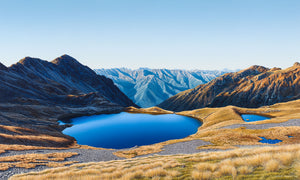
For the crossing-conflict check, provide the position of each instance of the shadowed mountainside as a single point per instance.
(64, 80)
(149, 87)
(253, 87)
(34, 94)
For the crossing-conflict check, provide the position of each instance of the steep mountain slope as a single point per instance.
(149, 87)
(34, 94)
(253, 87)
(55, 81)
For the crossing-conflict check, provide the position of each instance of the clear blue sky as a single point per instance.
(185, 34)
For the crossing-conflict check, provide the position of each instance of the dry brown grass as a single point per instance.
(233, 163)
(205, 166)
(201, 175)
(156, 172)
(33, 160)
(272, 165)
(255, 163)
(15, 147)
(297, 168)
(215, 118)
(245, 170)
(142, 150)
(150, 110)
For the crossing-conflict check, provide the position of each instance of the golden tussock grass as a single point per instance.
(42, 137)
(156, 172)
(205, 166)
(272, 165)
(215, 118)
(33, 160)
(230, 164)
(150, 110)
(253, 163)
(297, 168)
(139, 151)
(203, 175)
(245, 169)
(15, 147)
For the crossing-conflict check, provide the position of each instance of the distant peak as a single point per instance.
(65, 59)
(275, 69)
(29, 60)
(66, 56)
(296, 64)
(257, 68)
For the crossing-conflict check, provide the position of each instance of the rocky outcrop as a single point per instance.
(35, 93)
(149, 87)
(253, 87)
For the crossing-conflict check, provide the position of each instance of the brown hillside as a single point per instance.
(253, 87)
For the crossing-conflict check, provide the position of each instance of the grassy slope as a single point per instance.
(215, 118)
(240, 163)
(281, 162)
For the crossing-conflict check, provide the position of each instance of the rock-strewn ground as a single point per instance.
(90, 155)
(84, 155)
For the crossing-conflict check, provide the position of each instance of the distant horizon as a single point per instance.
(169, 34)
(120, 67)
(133, 69)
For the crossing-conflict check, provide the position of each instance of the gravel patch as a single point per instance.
(84, 155)
(187, 147)
(88, 155)
(292, 122)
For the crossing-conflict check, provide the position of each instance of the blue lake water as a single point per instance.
(253, 117)
(125, 130)
(270, 141)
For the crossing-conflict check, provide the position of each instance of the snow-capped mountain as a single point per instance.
(149, 87)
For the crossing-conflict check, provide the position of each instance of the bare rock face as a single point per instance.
(35, 93)
(253, 87)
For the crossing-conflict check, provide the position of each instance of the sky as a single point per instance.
(175, 34)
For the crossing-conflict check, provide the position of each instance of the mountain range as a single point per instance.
(60, 81)
(34, 94)
(253, 87)
(149, 87)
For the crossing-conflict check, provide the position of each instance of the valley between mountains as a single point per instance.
(35, 94)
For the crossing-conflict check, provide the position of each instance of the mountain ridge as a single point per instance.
(148, 87)
(62, 74)
(252, 87)
(35, 94)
